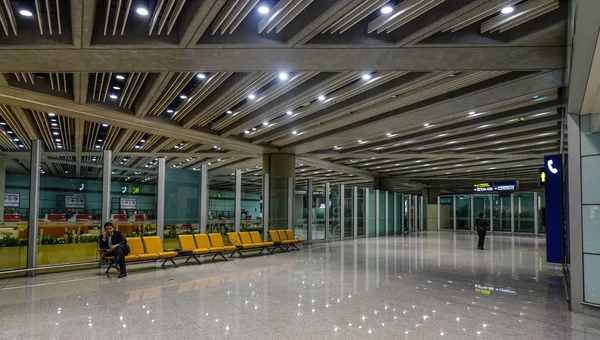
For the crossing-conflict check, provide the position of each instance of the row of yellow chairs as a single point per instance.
(199, 244)
(249, 240)
(145, 249)
(286, 238)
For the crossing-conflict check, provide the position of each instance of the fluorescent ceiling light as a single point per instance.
(252, 96)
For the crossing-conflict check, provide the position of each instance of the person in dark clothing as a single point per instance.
(117, 247)
(481, 223)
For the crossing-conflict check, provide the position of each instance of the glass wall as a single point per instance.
(348, 212)
(70, 207)
(361, 205)
(221, 202)
(481, 204)
(524, 213)
(399, 212)
(381, 217)
(390, 215)
(14, 183)
(463, 212)
(301, 208)
(252, 203)
(501, 209)
(446, 213)
(182, 204)
(318, 211)
(335, 217)
(542, 213)
(426, 214)
(372, 213)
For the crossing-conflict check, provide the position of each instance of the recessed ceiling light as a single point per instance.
(246, 132)
(507, 10)
(120, 77)
(104, 125)
(53, 124)
(229, 112)
(116, 88)
(169, 110)
(142, 141)
(366, 76)
(252, 96)
(253, 129)
(21, 145)
(201, 75)
(50, 114)
(360, 140)
(59, 146)
(58, 140)
(283, 76)
(142, 11)
(387, 9)
(471, 113)
(294, 132)
(99, 140)
(183, 96)
(536, 97)
(55, 133)
(137, 146)
(25, 13)
(263, 10)
(426, 125)
(289, 113)
(2, 123)
(389, 134)
(97, 146)
(442, 134)
(114, 96)
(17, 139)
(321, 97)
(265, 123)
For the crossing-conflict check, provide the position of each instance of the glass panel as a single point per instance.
(399, 213)
(14, 226)
(382, 195)
(591, 278)
(301, 209)
(318, 212)
(446, 214)
(182, 204)
(348, 211)
(360, 205)
(481, 204)
(502, 212)
(221, 203)
(405, 213)
(591, 229)
(69, 206)
(542, 213)
(425, 212)
(390, 216)
(252, 212)
(590, 168)
(463, 213)
(524, 213)
(372, 213)
(334, 212)
(133, 196)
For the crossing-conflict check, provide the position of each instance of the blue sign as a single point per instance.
(554, 208)
(496, 186)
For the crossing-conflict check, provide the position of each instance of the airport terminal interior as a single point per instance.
(302, 169)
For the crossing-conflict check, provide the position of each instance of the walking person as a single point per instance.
(481, 223)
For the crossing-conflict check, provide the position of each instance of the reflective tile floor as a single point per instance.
(430, 286)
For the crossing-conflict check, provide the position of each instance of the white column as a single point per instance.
(410, 212)
(266, 201)
(439, 218)
(472, 217)
(160, 199)
(366, 212)
(491, 213)
(290, 202)
(376, 212)
(454, 212)
(402, 214)
(395, 213)
(512, 212)
(387, 213)
(237, 207)
(421, 212)
(2, 186)
(203, 198)
(327, 210)
(536, 225)
(34, 203)
(106, 179)
(309, 217)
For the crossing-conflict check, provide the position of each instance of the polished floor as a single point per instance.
(429, 286)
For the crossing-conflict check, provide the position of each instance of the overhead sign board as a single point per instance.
(12, 200)
(496, 186)
(128, 203)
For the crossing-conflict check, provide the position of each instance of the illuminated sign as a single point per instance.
(12, 200)
(541, 177)
(496, 186)
(75, 202)
(127, 203)
(136, 190)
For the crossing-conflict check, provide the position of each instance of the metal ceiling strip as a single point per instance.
(49, 16)
(64, 77)
(477, 14)
(275, 13)
(175, 15)
(11, 16)
(414, 13)
(126, 17)
(362, 15)
(57, 80)
(108, 4)
(155, 15)
(31, 77)
(348, 16)
(125, 92)
(212, 82)
(3, 21)
(225, 12)
(530, 16)
(58, 17)
(107, 87)
(501, 19)
(177, 85)
(164, 16)
(137, 88)
(238, 20)
(291, 16)
(235, 12)
(117, 14)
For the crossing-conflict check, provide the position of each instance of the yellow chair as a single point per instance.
(217, 246)
(235, 240)
(136, 253)
(284, 238)
(255, 236)
(290, 236)
(154, 246)
(187, 244)
(278, 241)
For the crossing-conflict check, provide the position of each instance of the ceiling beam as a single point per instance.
(276, 59)
(67, 108)
(403, 155)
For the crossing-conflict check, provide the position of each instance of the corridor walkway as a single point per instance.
(429, 286)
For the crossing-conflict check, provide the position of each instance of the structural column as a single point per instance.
(160, 199)
(238, 201)
(203, 198)
(491, 213)
(454, 212)
(34, 199)
(309, 217)
(106, 178)
(342, 211)
(355, 212)
(439, 218)
(472, 217)
(421, 212)
(280, 168)
(512, 212)
(367, 222)
(327, 210)
(377, 212)
(2, 186)
(536, 224)
(387, 213)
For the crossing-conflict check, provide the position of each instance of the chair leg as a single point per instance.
(293, 245)
(110, 265)
(172, 261)
(223, 256)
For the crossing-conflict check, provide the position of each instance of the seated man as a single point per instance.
(117, 247)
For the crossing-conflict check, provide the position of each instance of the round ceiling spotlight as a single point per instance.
(120, 77)
(321, 98)
(114, 96)
(252, 96)
(387, 9)
(507, 10)
(169, 110)
(283, 76)
(183, 96)
(289, 113)
(366, 76)
(25, 13)
(142, 11)
(263, 10)
(201, 75)
(229, 112)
